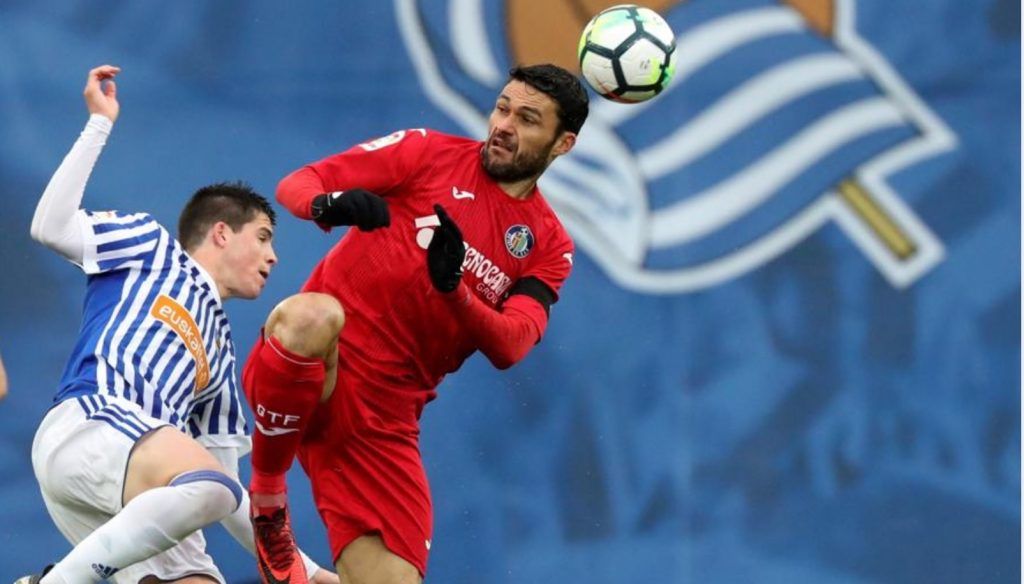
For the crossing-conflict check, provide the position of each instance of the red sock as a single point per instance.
(283, 391)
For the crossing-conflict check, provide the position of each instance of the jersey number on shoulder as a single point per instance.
(389, 140)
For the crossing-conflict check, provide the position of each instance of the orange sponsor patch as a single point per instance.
(174, 315)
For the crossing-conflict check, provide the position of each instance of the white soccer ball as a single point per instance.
(627, 53)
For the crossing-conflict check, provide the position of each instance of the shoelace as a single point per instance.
(275, 532)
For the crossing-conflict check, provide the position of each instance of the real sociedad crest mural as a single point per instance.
(781, 120)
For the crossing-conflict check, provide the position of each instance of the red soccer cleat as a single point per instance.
(276, 553)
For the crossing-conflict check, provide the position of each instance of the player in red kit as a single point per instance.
(455, 251)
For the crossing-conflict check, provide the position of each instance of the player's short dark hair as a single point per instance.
(234, 203)
(563, 87)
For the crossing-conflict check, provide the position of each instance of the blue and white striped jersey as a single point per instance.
(154, 330)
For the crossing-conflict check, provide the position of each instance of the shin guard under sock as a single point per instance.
(283, 390)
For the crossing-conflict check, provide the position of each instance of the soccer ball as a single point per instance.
(627, 53)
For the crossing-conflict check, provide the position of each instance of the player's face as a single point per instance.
(249, 255)
(523, 137)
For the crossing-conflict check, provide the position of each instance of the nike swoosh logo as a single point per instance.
(274, 431)
(268, 576)
(462, 194)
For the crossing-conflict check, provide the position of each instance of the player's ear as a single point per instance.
(220, 233)
(564, 143)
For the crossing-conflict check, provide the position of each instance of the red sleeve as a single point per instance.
(554, 267)
(504, 336)
(377, 166)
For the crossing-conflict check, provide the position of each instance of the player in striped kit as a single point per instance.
(140, 449)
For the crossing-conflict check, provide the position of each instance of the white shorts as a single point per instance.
(80, 456)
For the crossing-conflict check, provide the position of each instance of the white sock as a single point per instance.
(152, 522)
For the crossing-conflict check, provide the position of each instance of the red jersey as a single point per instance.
(399, 331)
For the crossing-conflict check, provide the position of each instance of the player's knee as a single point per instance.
(160, 456)
(307, 324)
(216, 495)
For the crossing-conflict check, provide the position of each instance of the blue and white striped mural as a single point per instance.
(769, 131)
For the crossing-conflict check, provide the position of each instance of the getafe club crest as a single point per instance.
(781, 120)
(519, 241)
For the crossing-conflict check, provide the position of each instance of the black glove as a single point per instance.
(445, 253)
(357, 207)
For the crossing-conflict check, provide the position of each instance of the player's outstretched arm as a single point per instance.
(54, 224)
(303, 193)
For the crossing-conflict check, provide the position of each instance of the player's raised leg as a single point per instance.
(291, 369)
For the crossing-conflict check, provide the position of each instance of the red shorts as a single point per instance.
(362, 455)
